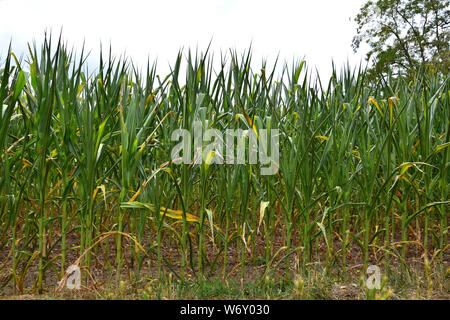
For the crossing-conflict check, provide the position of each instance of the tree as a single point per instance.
(405, 35)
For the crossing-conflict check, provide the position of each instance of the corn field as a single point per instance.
(86, 169)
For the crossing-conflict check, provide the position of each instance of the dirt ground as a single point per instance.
(318, 284)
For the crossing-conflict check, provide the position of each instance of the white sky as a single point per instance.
(317, 30)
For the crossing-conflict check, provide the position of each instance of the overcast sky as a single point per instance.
(317, 30)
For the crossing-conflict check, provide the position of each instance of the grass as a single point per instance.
(86, 176)
(318, 285)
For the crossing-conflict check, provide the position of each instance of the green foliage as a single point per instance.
(405, 35)
(363, 168)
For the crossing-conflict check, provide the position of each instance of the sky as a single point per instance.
(318, 31)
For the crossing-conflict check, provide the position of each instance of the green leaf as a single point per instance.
(20, 84)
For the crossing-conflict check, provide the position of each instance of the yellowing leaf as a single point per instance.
(26, 163)
(262, 208)
(150, 96)
(174, 214)
(177, 214)
(81, 87)
(209, 157)
(404, 167)
(393, 99)
(250, 123)
(323, 138)
(415, 146)
(442, 146)
(372, 100)
(55, 187)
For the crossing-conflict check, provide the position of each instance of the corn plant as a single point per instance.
(86, 154)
